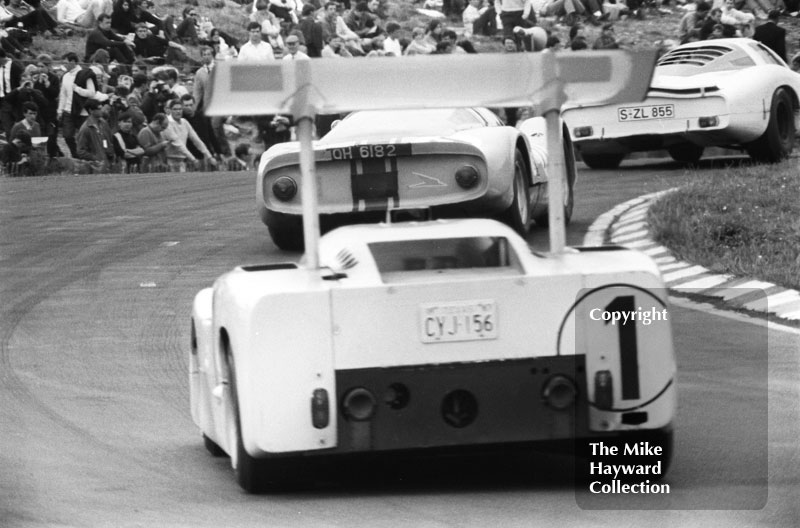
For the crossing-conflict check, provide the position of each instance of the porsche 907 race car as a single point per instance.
(453, 161)
(427, 335)
(734, 93)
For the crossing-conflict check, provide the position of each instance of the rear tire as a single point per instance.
(518, 213)
(687, 153)
(777, 142)
(602, 161)
(543, 218)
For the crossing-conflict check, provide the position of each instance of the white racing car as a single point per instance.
(451, 161)
(420, 336)
(734, 93)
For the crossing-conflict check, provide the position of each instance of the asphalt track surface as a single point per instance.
(97, 275)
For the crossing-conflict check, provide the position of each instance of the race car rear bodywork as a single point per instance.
(412, 338)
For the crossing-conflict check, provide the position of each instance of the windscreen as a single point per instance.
(372, 125)
(442, 254)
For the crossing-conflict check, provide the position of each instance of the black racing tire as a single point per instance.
(286, 232)
(602, 161)
(518, 214)
(777, 141)
(687, 153)
(212, 447)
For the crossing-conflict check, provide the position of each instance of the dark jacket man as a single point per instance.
(772, 35)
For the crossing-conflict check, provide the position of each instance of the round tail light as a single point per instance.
(284, 188)
(467, 177)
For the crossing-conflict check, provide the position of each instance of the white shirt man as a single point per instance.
(293, 51)
(83, 13)
(256, 49)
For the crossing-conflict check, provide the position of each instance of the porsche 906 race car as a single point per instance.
(428, 335)
(733, 93)
(457, 162)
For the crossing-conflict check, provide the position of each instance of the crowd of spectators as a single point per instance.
(136, 99)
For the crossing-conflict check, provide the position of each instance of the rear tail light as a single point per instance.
(284, 188)
(358, 404)
(320, 409)
(708, 121)
(585, 131)
(603, 390)
(467, 177)
(559, 392)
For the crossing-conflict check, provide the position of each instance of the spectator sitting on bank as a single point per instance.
(101, 37)
(20, 14)
(269, 24)
(479, 18)
(335, 48)
(83, 14)
(606, 40)
(745, 22)
(362, 22)
(126, 144)
(188, 30)
(156, 50)
(14, 155)
(419, 44)
(122, 17)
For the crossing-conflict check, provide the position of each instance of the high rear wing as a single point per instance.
(544, 80)
(319, 86)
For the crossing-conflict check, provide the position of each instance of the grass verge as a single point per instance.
(743, 221)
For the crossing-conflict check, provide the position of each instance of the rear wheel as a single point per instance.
(543, 217)
(777, 141)
(518, 213)
(602, 161)
(686, 153)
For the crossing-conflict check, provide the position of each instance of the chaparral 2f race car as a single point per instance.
(455, 162)
(443, 335)
(420, 336)
(734, 93)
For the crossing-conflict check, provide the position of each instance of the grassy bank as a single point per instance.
(743, 221)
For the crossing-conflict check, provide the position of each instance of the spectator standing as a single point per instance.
(126, 144)
(202, 127)
(201, 89)
(269, 24)
(479, 18)
(10, 78)
(77, 86)
(49, 85)
(179, 132)
(241, 159)
(101, 37)
(255, 49)
(154, 144)
(392, 45)
(312, 31)
(510, 12)
(29, 123)
(26, 93)
(772, 35)
(95, 144)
